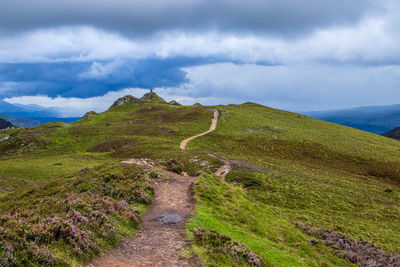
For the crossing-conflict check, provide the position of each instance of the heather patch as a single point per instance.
(359, 251)
(219, 243)
(74, 219)
(175, 166)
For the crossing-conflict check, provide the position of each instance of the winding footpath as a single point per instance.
(161, 238)
(214, 122)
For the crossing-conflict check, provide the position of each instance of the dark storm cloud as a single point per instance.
(146, 17)
(81, 80)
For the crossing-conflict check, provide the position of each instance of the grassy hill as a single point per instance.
(287, 168)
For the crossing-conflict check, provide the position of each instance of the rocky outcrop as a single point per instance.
(147, 98)
(88, 115)
(173, 102)
(126, 100)
(154, 98)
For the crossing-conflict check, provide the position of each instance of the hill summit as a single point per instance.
(146, 98)
(153, 97)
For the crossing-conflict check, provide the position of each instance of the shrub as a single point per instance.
(247, 179)
(357, 251)
(224, 244)
(175, 166)
(76, 217)
(153, 175)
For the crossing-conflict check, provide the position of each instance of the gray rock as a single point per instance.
(173, 102)
(126, 100)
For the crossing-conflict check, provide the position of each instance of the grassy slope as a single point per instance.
(297, 168)
(40, 167)
(50, 150)
(286, 167)
(66, 221)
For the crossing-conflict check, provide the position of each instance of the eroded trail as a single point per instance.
(162, 231)
(162, 235)
(214, 122)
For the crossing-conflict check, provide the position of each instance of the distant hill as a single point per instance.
(5, 124)
(27, 111)
(32, 122)
(28, 116)
(375, 119)
(395, 133)
(19, 121)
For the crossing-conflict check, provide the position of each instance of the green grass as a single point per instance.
(132, 130)
(255, 224)
(286, 167)
(42, 168)
(298, 168)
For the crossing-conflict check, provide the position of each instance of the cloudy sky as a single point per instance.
(297, 55)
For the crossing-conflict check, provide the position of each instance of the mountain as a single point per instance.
(20, 122)
(27, 111)
(375, 119)
(27, 116)
(299, 191)
(395, 133)
(5, 124)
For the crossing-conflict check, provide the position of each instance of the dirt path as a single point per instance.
(162, 234)
(162, 230)
(214, 122)
(224, 169)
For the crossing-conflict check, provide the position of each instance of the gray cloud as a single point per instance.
(146, 17)
(345, 53)
(297, 88)
(294, 88)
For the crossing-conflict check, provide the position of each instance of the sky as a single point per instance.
(297, 55)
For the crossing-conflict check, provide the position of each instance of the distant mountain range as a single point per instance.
(374, 119)
(27, 116)
(5, 124)
(27, 111)
(395, 133)
(20, 122)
